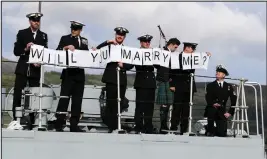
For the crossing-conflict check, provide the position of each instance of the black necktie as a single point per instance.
(75, 42)
(220, 84)
(33, 36)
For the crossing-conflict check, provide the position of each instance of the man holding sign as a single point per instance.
(73, 80)
(164, 95)
(110, 78)
(27, 72)
(180, 85)
(145, 85)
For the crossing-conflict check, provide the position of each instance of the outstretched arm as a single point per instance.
(127, 66)
(103, 44)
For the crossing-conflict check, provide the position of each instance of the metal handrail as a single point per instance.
(262, 119)
(256, 106)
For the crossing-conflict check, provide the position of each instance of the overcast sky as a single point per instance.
(234, 32)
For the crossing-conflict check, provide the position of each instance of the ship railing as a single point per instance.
(240, 108)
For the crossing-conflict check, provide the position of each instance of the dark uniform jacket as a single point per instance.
(145, 77)
(215, 94)
(75, 73)
(24, 37)
(163, 72)
(110, 73)
(180, 79)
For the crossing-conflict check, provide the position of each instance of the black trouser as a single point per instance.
(164, 110)
(74, 88)
(144, 109)
(217, 115)
(20, 84)
(111, 109)
(180, 111)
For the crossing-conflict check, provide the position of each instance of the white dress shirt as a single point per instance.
(221, 83)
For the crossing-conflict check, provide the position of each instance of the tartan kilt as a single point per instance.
(164, 94)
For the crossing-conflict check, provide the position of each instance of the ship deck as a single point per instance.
(67, 145)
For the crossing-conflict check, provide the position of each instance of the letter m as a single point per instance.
(186, 60)
(125, 55)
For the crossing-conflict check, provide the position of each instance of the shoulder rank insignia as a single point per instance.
(84, 41)
(44, 36)
(228, 88)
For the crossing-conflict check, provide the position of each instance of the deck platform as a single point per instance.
(66, 145)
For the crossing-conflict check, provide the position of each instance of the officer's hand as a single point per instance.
(120, 64)
(216, 105)
(71, 47)
(36, 65)
(227, 115)
(172, 89)
(112, 42)
(94, 49)
(208, 53)
(28, 46)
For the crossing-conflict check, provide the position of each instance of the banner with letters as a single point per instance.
(117, 53)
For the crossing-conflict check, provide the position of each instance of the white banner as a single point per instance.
(60, 58)
(175, 62)
(204, 60)
(36, 53)
(104, 56)
(138, 57)
(50, 57)
(116, 53)
(186, 61)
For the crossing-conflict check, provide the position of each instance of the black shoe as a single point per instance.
(59, 130)
(135, 132)
(173, 128)
(76, 129)
(210, 134)
(163, 129)
(59, 125)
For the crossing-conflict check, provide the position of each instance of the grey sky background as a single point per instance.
(234, 32)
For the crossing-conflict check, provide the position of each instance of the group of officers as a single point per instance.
(172, 85)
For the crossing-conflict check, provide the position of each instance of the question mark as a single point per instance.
(205, 58)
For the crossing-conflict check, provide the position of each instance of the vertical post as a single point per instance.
(41, 82)
(237, 108)
(190, 104)
(39, 6)
(262, 119)
(119, 99)
(40, 10)
(40, 100)
(246, 112)
(242, 106)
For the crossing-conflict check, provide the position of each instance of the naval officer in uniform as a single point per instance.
(180, 85)
(145, 86)
(27, 72)
(73, 79)
(110, 79)
(164, 94)
(217, 94)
